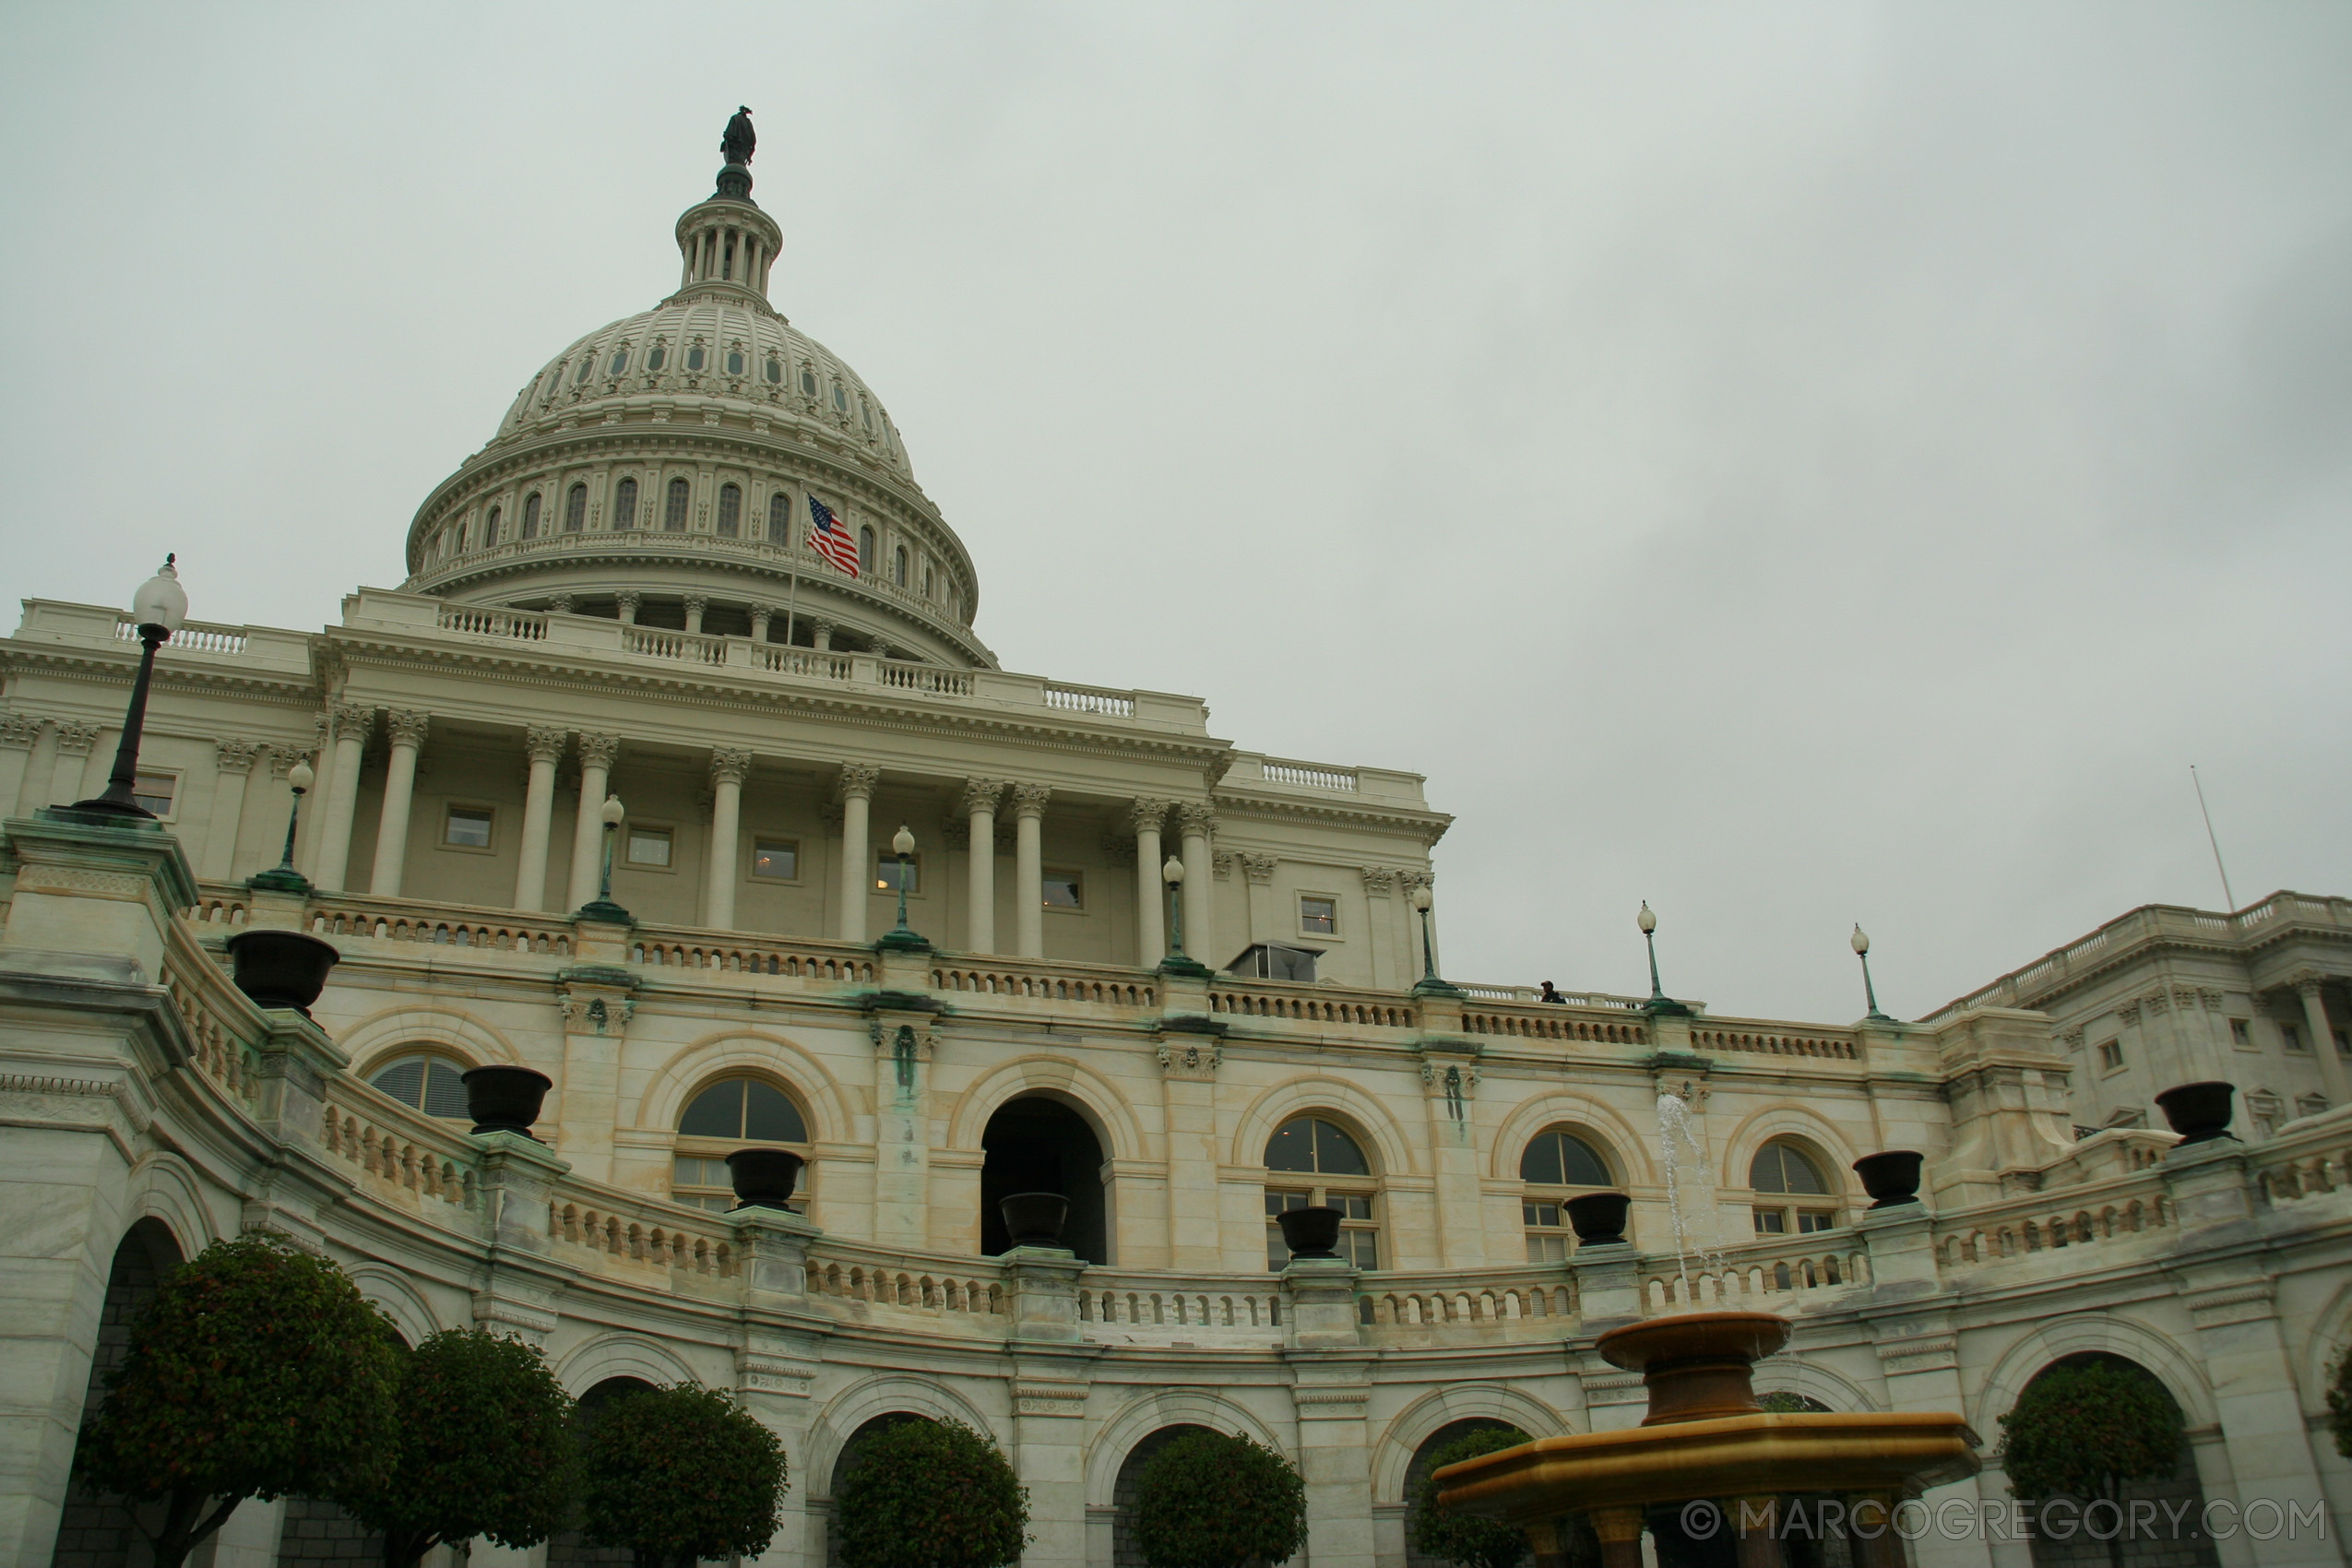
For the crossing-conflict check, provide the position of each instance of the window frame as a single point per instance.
(622, 861)
(575, 506)
(2111, 1056)
(1555, 1195)
(534, 504)
(490, 525)
(729, 521)
(678, 500)
(750, 863)
(1077, 877)
(428, 1053)
(179, 784)
(1322, 1187)
(780, 517)
(695, 1145)
(450, 807)
(625, 504)
(1299, 906)
(1788, 1212)
(884, 856)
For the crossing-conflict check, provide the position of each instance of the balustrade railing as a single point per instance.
(1540, 1295)
(1311, 1003)
(216, 1015)
(1127, 1307)
(1551, 1020)
(2048, 1221)
(691, 647)
(1766, 1040)
(930, 678)
(1090, 699)
(401, 919)
(734, 952)
(378, 1136)
(1750, 1275)
(524, 625)
(815, 664)
(1046, 982)
(1313, 775)
(963, 1292)
(2305, 1162)
(621, 1226)
(193, 637)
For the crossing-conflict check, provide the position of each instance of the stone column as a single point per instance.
(74, 743)
(321, 756)
(1196, 821)
(39, 739)
(1380, 926)
(352, 721)
(1449, 1089)
(727, 770)
(2323, 1051)
(629, 608)
(407, 730)
(1259, 869)
(1048, 1410)
(979, 914)
(1029, 868)
(1188, 1063)
(235, 761)
(902, 1051)
(1151, 894)
(543, 746)
(761, 616)
(855, 789)
(822, 632)
(695, 605)
(596, 1007)
(20, 734)
(597, 752)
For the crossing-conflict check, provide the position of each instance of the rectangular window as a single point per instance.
(1065, 890)
(468, 827)
(1278, 1253)
(1772, 1222)
(1318, 916)
(886, 872)
(2241, 1033)
(1547, 1243)
(1811, 1219)
(2292, 1034)
(1360, 1246)
(776, 858)
(156, 792)
(2110, 1054)
(650, 846)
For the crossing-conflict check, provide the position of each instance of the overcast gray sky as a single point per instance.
(1792, 464)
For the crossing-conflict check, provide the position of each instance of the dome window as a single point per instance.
(530, 516)
(575, 509)
(734, 361)
(620, 361)
(673, 511)
(625, 506)
(780, 518)
(865, 551)
(808, 380)
(587, 364)
(928, 580)
(655, 356)
(693, 357)
(490, 528)
(898, 566)
(840, 399)
(730, 510)
(774, 371)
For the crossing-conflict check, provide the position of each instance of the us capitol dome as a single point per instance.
(660, 469)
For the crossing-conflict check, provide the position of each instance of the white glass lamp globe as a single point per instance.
(162, 602)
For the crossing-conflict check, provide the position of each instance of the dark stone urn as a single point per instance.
(764, 1177)
(2199, 1112)
(1034, 1220)
(281, 968)
(505, 1100)
(1598, 1218)
(1310, 1232)
(1890, 1176)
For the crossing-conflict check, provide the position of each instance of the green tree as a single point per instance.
(2339, 1405)
(483, 1447)
(2088, 1428)
(1210, 1501)
(929, 1494)
(258, 1371)
(678, 1474)
(1461, 1538)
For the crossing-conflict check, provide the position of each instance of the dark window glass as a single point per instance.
(1320, 914)
(717, 1112)
(575, 509)
(865, 550)
(693, 357)
(1336, 1154)
(429, 1083)
(673, 511)
(777, 858)
(808, 380)
(840, 399)
(154, 792)
(743, 1107)
(624, 505)
(1063, 890)
(898, 566)
(468, 827)
(886, 872)
(734, 361)
(1780, 1168)
(530, 516)
(775, 372)
(730, 510)
(769, 1117)
(1309, 1142)
(489, 530)
(620, 361)
(1559, 1158)
(587, 364)
(655, 356)
(780, 518)
(1292, 1147)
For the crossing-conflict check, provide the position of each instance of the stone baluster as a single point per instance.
(695, 604)
(980, 918)
(855, 789)
(407, 730)
(727, 768)
(544, 748)
(1198, 822)
(351, 721)
(235, 760)
(597, 752)
(1029, 868)
(1151, 896)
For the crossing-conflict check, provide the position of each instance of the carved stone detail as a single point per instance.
(1144, 815)
(1194, 1060)
(2157, 1004)
(2128, 1014)
(1221, 864)
(544, 744)
(597, 1015)
(238, 756)
(1196, 819)
(19, 728)
(981, 795)
(405, 726)
(1408, 880)
(1028, 799)
(1379, 881)
(1260, 868)
(2212, 997)
(597, 751)
(729, 766)
(75, 738)
(353, 718)
(857, 781)
(281, 761)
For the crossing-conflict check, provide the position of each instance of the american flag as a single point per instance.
(829, 539)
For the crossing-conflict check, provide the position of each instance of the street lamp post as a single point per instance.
(1861, 943)
(283, 877)
(1429, 984)
(902, 844)
(1659, 1002)
(159, 609)
(603, 909)
(1172, 875)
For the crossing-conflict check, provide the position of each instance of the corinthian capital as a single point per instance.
(406, 727)
(1379, 880)
(352, 719)
(1028, 799)
(980, 794)
(1197, 818)
(1144, 815)
(857, 781)
(597, 751)
(1259, 868)
(729, 767)
(19, 728)
(544, 744)
(237, 756)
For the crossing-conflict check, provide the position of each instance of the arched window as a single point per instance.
(673, 510)
(575, 509)
(734, 361)
(730, 510)
(693, 357)
(928, 581)
(1784, 1170)
(619, 361)
(425, 1079)
(780, 518)
(723, 1117)
(898, 566)
(865, 551)
(530, 516)
(1555, 1158)
(774, 371)
(1335, 1174)
(625, 506)
(655, 356)
(808, 382)
(587, 364)
(840, 399)
(490, 528)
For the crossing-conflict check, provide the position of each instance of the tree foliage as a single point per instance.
(929, 1494)
(679, 1474)
(482, 1447)
(258, 1371)
(1460, 1538)
(1211, 1501)
(2085, 1429)
(2339, 1405)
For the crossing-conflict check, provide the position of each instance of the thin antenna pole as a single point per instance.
(2226, 893)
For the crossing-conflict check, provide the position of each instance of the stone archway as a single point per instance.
(147, 1253)
(2181, 1495)
(1036, 1144)
(1417, 1471)
(1124, 1551)
(846, 1463)
(569, 1548)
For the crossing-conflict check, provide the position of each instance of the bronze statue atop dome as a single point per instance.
(736, 145)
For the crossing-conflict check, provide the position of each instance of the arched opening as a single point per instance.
(734, 1112)
(489, 530)
(1556, 1163)
(674, 507)
(2181, 1495)
(730, 510)
(145, 1255)
(845, 1465)
(625, 506)
(1035, 1145)
(1310, 1162)
(575, 509)
(568, 1548)
(1124, 1551)
(865, 551)
(1417, 1471)
(1793, 1196)
(429, 1081)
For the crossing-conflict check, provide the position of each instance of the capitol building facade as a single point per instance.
(693, 572)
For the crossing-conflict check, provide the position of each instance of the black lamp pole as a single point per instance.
(157, 616)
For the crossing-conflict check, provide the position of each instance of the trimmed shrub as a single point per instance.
(2339, 1405)
(675, 1474)
(931, 1494)
(258, 1371)
(2087, 1430)
(1460, 1538)
(1210, 1501)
